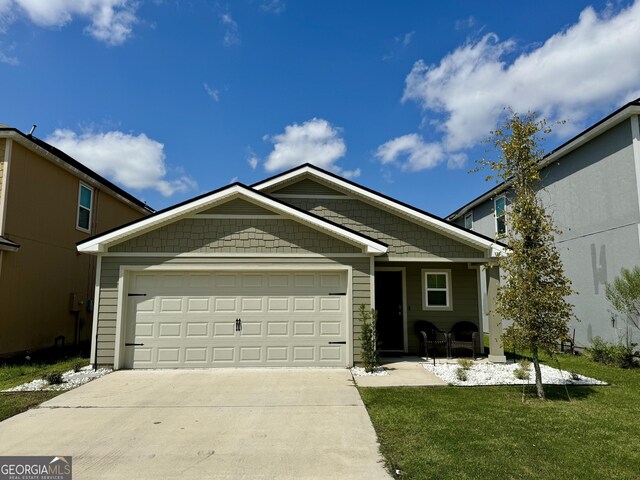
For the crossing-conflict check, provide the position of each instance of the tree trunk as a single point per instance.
(536, 367)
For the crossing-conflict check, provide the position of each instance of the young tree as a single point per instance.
(624, 295)
(534, 291)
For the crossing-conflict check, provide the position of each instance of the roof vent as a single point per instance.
(33, 129)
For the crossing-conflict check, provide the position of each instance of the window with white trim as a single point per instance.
(85, 202)
(436, 290)
(468, 220)
(499, 211)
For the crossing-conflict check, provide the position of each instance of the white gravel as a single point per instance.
(70, 380)
(360, 372)
(502, 374)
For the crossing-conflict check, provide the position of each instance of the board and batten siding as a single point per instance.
(110, 271)
(231, 235)
(238, 206)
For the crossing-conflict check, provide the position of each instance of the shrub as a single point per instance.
(368, 339)
(619, 355)
(522, 372)
(78, 366)
(54, 378)
(461, 373)
(465, 363)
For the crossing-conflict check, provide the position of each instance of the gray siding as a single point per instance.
(404, 237)
(238, 207)
(221, 235)
(304, 187)
(107, 301)
(592, 195)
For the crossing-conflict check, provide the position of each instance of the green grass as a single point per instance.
(13, 374)
(488, 432)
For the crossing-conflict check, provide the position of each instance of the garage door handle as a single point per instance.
(338, 343)
(133, 344)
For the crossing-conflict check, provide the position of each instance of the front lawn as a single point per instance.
(487, 432)
(13, 374)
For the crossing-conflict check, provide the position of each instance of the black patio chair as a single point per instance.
(463, 336)
(430, 337)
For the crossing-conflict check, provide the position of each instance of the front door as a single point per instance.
(389, 301)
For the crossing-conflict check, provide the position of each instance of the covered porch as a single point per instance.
(451, 296)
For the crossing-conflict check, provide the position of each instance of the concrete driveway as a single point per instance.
(197, 424)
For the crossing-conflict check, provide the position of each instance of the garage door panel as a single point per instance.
(189, 320)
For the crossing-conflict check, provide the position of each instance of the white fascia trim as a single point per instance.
(433, 222)
(64, 165)
(578, 142)
(101, 243)
(390, 259)
(265, 255)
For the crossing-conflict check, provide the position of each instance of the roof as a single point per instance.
(100, 243)
(415, 214)
(8, 245)
(608, 122)
(73, 163)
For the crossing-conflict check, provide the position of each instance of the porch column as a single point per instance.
(496, 350)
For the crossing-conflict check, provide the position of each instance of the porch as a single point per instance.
(450, 296)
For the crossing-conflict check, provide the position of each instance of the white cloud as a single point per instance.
(212, 92)
(273, 6)
(111, 20)
(406, 40)
(419, 154)
(589, 66)
(136, 162)
(231, 33)
(253, 162)
(315, 141)
(7, 58)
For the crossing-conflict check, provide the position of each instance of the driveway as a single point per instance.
(196, 424)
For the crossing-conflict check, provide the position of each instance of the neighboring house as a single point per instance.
(274, 275)
(591, 187)
(49, 202)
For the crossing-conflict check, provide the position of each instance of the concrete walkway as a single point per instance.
(197, 424)
(403, 372)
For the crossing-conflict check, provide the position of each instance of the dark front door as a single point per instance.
(389, 307)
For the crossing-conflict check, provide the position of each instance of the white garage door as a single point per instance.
(236, 319)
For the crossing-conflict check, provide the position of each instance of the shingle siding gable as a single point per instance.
(231, 235)
(405, 238)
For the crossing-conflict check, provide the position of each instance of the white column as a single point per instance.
(496, 349)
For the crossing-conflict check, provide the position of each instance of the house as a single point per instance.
(591, 187)
(274, 275)
(48, 202)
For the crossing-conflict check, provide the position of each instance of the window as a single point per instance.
(85, 199)
(468, 220)
(436, 287)
(499, 210)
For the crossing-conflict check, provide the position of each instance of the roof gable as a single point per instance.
(352, 189)
(303, 187)
(233, 193)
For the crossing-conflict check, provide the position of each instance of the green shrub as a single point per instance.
(54, 378)
(465, 363)
(368, 339)
(78, 366)
(461, 373)
(619, 355)
(523, 370)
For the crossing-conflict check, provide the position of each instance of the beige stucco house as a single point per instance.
(274, 275)
(48, 203)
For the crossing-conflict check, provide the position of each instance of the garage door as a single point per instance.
(236, 319)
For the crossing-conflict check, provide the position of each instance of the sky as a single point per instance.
(171, 99)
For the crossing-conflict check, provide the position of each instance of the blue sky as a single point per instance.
(171, 99)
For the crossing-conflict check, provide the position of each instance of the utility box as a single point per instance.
(76, 302)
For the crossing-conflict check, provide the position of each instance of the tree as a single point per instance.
(624, 295)
(534, 292)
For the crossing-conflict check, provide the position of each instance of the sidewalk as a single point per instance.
(403, 372)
